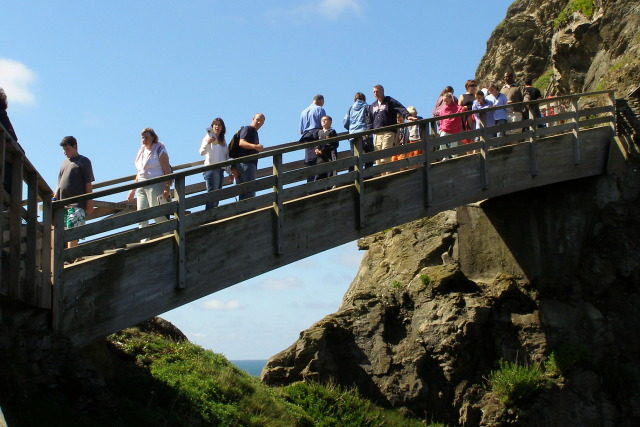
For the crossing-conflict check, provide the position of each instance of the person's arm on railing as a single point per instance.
(250, 146)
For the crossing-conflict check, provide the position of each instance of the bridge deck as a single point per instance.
(122, 281)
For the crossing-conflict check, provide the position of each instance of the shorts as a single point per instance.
(74, 217)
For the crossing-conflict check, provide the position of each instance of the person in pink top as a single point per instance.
(452, 125)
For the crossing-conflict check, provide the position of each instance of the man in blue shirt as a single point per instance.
(312, 115)
(310, 124)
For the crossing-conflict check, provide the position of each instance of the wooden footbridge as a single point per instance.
(197, 252)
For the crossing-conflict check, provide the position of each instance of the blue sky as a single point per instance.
(102, 71)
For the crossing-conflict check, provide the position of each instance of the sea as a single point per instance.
(252, 367)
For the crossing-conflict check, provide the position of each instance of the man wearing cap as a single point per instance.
(74, 179)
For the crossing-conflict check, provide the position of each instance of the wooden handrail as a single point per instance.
(296, 146)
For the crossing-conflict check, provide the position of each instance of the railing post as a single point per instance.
(484, 150)
(576, 130)
(359, 181)
(179, 234)
(46, 281)
(3, 205)
(533, 165)
(31, 251)
(426, 164)
(613, 124)
(15, 226)
(57, 262)
(278, 204)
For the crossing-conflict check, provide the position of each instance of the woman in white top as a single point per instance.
(214, 150)
(151, 161)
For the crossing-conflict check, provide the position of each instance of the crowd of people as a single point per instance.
(152, 158)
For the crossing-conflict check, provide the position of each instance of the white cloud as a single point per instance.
(214, 304)
(16, 80)
(281, 283)
(331, 9)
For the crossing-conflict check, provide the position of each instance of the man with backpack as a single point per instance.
(246, 142)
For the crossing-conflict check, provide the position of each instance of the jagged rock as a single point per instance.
(584, 53)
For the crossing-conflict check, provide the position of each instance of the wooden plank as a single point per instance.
(358, 151)
(585, 124)
(533, 138)
(577, 155)
(15, 221)
(110, 224)
(119, 240)
(57, 262)
(484, 151)
(508, 139)
(426, 165)
(278, 204)
(3, 216)
(46, 281)
(607, 109)
(224, 211)
(226, 193)
(392, 167)
(179, 234)
(555, 130)
(31, 271)
(303, 174)
(320, 185)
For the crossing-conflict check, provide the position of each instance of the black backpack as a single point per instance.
(234, 146)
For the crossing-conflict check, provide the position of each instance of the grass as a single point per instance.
(544, 80)
(585, 7)
(396, 284)
(206, 389)
(334, 406)
(514, 383)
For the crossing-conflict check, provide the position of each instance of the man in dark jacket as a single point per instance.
(383, 112)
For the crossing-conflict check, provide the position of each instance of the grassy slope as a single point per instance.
(156, 381)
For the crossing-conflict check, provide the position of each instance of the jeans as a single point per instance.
(497, 123)
(148, 197)
(246, 172)
(213, 181)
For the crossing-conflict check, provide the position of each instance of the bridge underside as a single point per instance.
(119, 289)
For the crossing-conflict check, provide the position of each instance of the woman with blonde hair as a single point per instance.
(151, 161)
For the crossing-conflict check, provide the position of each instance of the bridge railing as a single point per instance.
(283, 182)
(25, 235)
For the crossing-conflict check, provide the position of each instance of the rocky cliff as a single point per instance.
(548, 277)
(567, 46)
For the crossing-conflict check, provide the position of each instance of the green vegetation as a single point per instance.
(334, 406)
(395, 284)
(513, 382)
(426, 280)
(585, 7)
(206, 389)
(544, 80)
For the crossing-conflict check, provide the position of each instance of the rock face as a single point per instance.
(596, 47)
(547, 275)
(436, 303)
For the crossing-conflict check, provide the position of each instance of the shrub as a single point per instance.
(583, 6)
(513, 382)
(426, 280)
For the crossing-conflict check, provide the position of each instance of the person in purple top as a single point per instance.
(383, 112)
